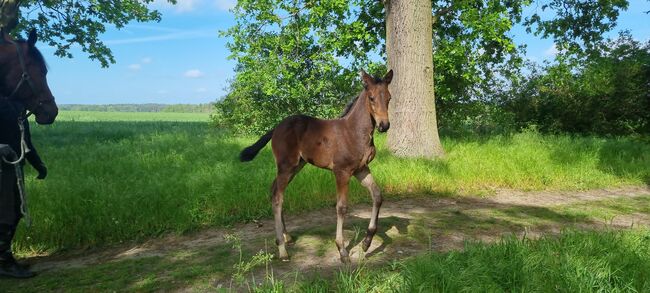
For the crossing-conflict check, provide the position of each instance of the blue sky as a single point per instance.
(182, 59)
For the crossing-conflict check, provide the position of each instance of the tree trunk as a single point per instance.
(9, 14)
(409, 44)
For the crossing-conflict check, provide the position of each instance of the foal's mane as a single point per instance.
(348, 107)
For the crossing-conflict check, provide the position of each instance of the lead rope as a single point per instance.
(20, 178)
(23, 145)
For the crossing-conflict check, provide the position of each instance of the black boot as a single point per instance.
(8, 265)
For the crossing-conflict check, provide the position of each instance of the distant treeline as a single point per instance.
(175, 108)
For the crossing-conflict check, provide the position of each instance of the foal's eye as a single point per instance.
(372, 99)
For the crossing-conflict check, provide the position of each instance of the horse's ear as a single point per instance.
(388, 77)
(31, 40)
(366, 79)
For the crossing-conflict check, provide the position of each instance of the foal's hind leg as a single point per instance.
(284, 176)
(342, 180)
(364, 176)
(285, 234)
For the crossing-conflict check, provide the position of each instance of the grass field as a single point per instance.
(116, 177)
(96, 116)
(573, 262)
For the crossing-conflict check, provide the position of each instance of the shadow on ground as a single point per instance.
(205, 261)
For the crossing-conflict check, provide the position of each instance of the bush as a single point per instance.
(608, 95)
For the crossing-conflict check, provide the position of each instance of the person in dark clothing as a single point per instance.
(10, 200)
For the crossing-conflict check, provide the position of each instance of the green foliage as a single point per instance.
(577, 26)
(62, 23)
(606, 92)
(472, 48)
(284, 65)
(299, 56)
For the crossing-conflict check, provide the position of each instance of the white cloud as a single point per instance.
(186, 5)
(551, 51)
(194, 73)
(146, 60)
(135, 67)
(225, 5)
(201, 90)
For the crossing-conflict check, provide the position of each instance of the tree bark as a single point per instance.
(409, 44)
(9, 11)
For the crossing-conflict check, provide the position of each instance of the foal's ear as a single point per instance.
(366, 79)
(388, 77)
(31, 40)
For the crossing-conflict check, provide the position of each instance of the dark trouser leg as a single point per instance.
(9, 217)
(9, 196)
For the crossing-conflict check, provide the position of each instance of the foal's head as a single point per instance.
(23, 77)
(378, 98)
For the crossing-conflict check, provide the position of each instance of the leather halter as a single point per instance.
(24, 78)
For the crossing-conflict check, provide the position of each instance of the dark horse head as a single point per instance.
(23, 78)
(376, 90)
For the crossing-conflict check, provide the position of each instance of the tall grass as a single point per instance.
(573, 262)
(114, 181)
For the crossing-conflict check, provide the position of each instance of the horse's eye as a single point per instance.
(372, 99)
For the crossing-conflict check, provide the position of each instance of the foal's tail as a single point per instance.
(250, 152)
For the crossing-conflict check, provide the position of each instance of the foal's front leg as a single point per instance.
(364, 176)
(342, 179)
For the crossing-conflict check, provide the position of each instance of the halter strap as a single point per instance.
(24, 78)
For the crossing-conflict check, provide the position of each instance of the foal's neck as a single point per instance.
(359, 119)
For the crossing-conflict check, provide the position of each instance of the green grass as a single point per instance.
(114, 181)
(94, 116)
(574, 262)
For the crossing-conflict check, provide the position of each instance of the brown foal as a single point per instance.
(343, 145)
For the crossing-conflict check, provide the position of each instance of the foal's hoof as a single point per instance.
(365, 245)
(285, 259)
(282, 253)
(345, 259)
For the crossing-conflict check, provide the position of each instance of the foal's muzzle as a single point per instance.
(383, 126)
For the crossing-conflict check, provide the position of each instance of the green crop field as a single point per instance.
(117, 177)
(96, 116)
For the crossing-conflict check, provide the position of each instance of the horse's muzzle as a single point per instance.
(383, 126)
(46, 114)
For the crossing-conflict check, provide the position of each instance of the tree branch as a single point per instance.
(440, 13)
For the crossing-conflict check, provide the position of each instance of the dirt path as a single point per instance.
(407, 227)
